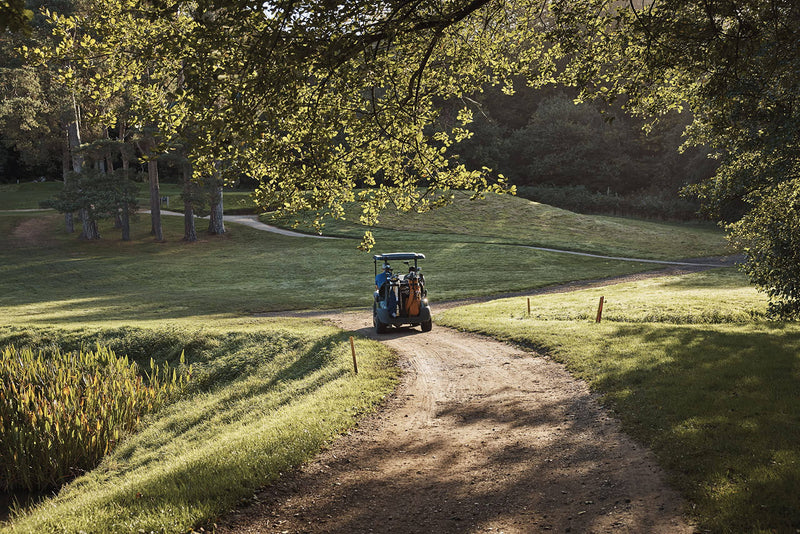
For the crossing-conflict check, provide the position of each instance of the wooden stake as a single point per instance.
(600, 310)
(529, 306)
(353, 349)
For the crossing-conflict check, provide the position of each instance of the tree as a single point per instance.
(15, 16)
(770, 236)
(735, 65)
(318, 99)
(216, 225)
(312, 99)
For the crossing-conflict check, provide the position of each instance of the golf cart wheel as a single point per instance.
(380, 328)
(427, 326)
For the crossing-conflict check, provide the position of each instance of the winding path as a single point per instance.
(253, 222)
(479, 437)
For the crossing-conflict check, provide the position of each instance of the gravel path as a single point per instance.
(479, 437)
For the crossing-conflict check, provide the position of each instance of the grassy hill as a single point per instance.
(505, 219)
(150, 299)
(266, 396)
(50, 277)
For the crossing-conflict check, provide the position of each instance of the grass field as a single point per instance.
(507, 219)
(27, 195)
(197, 458)
(267, 395)
(232, 201)
(53, 278)
(692, 371)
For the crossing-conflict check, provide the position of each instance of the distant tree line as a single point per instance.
(584, 156)
(68, 112)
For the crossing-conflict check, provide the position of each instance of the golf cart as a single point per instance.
(400, 298)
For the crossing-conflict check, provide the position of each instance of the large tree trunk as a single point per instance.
(189, 230)
(106, 166)
(69, 221)
(125, 216)
(216, 224)
(147, 147)
(108, 156)
(155, 200)
(89, 228)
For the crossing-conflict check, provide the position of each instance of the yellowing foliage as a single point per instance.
(60, 413)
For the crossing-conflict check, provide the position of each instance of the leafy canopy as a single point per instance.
(736, 65)
(321, 99)
(314, 99)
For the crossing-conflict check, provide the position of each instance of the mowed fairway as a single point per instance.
(50, 277)
(506, 219)
(258, 378)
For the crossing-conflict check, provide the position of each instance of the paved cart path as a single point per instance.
(480, 437)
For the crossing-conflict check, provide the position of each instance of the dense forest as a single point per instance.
(587, 156)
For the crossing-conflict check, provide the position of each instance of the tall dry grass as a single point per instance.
(61, 412)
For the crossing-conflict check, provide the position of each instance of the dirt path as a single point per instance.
(480, 437)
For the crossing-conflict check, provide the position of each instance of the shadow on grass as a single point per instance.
(245, 368)
(721, 408)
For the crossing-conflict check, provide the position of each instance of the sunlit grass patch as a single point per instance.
(266, 397)
(67, 281)
(719, 296)
(513, 220)
(690, 373)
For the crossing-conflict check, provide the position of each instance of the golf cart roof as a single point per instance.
(398, 256)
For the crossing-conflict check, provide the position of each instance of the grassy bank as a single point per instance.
(27, 195)
(268, 395)
(50, 277)
(512, 220)
(692, 372)
(499, 219)
(269, 392)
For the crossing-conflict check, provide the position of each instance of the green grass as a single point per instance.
(196, 459)
(28, 196)
(692, 372)
(232, 201)
(268, 395)
(50, 277)
(511, 220)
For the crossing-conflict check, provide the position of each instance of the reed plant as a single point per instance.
(61, 412)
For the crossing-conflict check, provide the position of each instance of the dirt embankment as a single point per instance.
(480, 437)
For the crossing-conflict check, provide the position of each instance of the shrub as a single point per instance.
(61, 412)
(769, 235)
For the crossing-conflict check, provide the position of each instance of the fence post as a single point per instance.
(529, 306)
(353, 350)
(600, 310)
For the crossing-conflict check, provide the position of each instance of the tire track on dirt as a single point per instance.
(479, 437)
